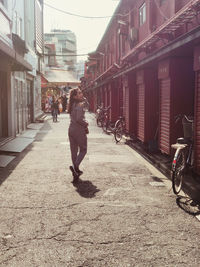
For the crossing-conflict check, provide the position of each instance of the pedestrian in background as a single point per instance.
(77, 131)
(60, 106)
(64, 102)
(54, 109)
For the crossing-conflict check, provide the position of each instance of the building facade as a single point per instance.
(146, 67)
(20, 90)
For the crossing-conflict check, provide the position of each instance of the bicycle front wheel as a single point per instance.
(118, 131)
(178, 173)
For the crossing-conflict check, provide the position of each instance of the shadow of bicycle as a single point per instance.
(188, 205)
(86, 188)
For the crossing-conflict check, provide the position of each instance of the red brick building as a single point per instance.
(147, 67)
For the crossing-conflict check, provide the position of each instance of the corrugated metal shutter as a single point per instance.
(165, 114)
(140, 111)
(39, 26)
(5, 29)
(121, 104)
(197, 123)
(114, 102)
(126, 108)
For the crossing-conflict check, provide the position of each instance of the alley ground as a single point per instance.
(122, 213)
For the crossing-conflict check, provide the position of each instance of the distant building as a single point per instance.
(80, 67)
(50, 56)
(65, 47)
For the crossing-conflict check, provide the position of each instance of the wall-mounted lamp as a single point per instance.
(122, 22)
(100, 53)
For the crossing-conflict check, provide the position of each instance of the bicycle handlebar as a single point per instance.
(179, 116)
(189, 120)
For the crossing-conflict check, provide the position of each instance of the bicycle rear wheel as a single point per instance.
(178, 173)
(118, 131)
(99, 122)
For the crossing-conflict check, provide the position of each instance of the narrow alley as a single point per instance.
(121, 213)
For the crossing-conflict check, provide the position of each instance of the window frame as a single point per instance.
(142, 14)
(162, 2)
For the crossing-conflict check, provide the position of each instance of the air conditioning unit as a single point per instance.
(133, 34)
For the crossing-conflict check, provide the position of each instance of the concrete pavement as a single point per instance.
(122, 213)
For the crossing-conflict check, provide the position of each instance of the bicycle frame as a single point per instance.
(120, 129)
(183, 154)
(190, 160)
(178, 148)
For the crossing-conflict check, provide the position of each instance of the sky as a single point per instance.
(88, 31)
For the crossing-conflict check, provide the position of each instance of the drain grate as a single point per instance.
(158, 184)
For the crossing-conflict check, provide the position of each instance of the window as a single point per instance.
(162, 1)
(3, 2)
(17, 25)
(132, 18)
(142, 14)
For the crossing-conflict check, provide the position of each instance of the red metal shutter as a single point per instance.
(197, 123)
(140, 111)
(126, 108)
(165, 114)
(120, 107)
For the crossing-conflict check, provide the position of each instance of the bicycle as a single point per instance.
(183, 157)
(99, 115)
(107, 125)
(120, 129)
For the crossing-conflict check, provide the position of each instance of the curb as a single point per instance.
(164, 168)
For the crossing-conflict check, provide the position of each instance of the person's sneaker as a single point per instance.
(79, 172)
(74, 173)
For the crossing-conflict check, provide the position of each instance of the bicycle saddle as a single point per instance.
(122, 118)
(182, 140)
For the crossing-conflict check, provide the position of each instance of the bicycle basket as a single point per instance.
(187, 128)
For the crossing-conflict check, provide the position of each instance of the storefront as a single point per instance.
(197, 107)
(176, 85)
(56, 82)
(147, 104)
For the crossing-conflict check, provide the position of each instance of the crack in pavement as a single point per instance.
(9, 259)
(40, 207)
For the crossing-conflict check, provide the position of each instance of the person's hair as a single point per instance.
(73, 92)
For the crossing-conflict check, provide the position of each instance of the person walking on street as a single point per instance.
(54, 109)
(64, 102)
(78, 130)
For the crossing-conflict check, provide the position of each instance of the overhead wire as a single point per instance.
(88, 17)
(76, 15)
(65, 55)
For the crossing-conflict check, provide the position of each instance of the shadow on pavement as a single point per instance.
(86, 188)
(188, 205)
(6, 171)
(191, 187)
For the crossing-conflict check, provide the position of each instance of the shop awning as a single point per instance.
(58, 77)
